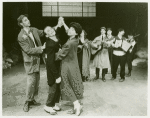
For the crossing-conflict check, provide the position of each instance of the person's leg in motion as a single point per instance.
(31, 83)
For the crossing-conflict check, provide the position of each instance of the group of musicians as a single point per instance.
(110, 54)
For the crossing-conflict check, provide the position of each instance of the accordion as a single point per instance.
(125, 45)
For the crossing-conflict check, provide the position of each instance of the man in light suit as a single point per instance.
(29, 40)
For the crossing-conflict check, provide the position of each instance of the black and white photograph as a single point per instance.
(74, 58)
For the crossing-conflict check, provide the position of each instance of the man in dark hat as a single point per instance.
(29, 40)
(110, 38)
(101, 58)
(130, 53)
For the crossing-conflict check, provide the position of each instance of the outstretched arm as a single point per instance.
(64, 24)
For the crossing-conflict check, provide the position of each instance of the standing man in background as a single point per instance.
(130, 53)
(110, 39)
(101, 59)
(119, 56)
(29, 40)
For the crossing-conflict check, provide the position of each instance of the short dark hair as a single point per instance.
(120, 29)
(20, 19)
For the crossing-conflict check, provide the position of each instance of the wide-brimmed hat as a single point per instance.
(77, 27)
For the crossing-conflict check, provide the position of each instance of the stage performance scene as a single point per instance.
(75, 59)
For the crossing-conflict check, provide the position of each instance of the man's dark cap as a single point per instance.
(103, 28)
(109, 29)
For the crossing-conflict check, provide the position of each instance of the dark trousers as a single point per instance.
(116, 61)
(53, 95)
(80, 57)
(129, 60)
(110, 52)
(104, 71)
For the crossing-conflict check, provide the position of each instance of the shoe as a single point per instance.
(50, 110)
(83, 79)
(129, 74)
(86, 79)
(71, 111)
(113, 78)
(26, 106)
(78, 109)
(96, 78)
(33, 102)
(122, 79)
(56, 108)
(103, 79)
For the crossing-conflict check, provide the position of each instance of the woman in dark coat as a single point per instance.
(84, 55)
(71, 83)
(53, 70)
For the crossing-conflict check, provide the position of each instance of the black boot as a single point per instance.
(26, 106)
(33, 102)
(129, 74)
(113, 78)
(103, 76)
(97, 74)
(83, 79)
(86, 78)
(122, 79)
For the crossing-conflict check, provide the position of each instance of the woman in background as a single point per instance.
(84, 55)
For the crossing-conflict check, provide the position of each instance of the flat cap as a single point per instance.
(109, 29)
(103, 28)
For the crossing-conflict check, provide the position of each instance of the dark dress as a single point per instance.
(80, 56)
(71, 84)
(52, 66)
(84, 55)
(53, 72)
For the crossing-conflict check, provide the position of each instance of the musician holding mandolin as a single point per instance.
(101, 56)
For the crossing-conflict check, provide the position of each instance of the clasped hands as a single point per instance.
(58, 80)
(60, 21)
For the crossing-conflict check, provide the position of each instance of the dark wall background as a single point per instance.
(130, 16)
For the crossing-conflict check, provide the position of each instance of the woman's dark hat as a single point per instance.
(77, 27)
